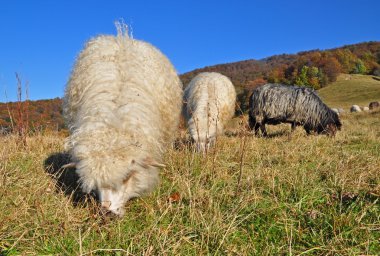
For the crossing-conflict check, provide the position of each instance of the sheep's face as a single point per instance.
(142, 177)
(331, 127)
(331, 130)
(113, 200)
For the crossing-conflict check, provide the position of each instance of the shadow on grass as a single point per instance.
(278, 134)
(66, 179)
(272, 135)
(247, 132)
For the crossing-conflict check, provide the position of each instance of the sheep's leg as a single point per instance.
(293, 126)
(307, 131)
(263, 130)
(257, 127)
(254, 125)
(252, 122)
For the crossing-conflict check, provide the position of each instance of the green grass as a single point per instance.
(283, 195)
(351, 90)
(298, 195)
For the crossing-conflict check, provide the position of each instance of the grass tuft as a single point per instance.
(304, 195)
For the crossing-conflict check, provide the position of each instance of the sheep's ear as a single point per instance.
(69, 165)
(149, 161)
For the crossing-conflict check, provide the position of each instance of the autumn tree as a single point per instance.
(331, 68)
(346, 60)
(360, 68)
(302, 77)
(247, 91)
(277, 75)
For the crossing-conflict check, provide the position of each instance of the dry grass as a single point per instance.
(298, 194)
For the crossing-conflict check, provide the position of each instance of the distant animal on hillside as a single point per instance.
(355, 108)
(365, 108)
(209, 104)
(374, 105)
(276, 103)
(122, 105)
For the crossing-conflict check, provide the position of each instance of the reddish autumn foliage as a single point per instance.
(42, 114)
(314, 68)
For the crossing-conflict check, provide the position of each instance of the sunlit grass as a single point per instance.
(351, 90)
(298, 194)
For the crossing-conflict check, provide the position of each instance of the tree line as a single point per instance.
(315, 68)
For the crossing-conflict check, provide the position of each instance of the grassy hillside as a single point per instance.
(315, 68)
(348, 90)
(301, 195)
(351, 90)
(282, 195)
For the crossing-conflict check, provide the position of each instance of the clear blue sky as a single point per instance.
(40, 39)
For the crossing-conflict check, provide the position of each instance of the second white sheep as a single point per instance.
(209, 100)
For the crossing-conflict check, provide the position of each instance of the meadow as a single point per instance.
(351, 89)
(288, 194)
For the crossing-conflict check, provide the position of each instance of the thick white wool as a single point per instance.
(355, 108)
(209, 104)
(122, 104)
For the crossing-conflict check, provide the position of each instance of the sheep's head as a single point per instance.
(331, 125)
(112, 200)
(115, 189)
(141, 178)
(331, 129)
(334, 126)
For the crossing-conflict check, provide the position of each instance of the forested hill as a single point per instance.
(37, 115)
(315, 68)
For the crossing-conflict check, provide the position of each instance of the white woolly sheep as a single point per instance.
(122, 105)
(355, 108)
(209, 104)
(365, 108)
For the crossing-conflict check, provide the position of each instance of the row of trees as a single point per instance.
(317, 69)
(314, 69)
(37, 115)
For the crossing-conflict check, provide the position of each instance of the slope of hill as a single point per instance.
(314, 68)
(351, 89)
(345, 92)
(361, 58)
